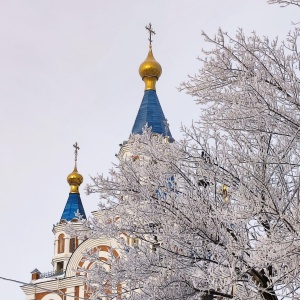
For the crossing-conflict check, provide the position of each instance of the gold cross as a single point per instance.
(76, 150)
(151, 31)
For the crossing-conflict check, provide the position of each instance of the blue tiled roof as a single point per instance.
(151, 113)
(73, 207)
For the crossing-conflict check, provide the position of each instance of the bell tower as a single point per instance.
(64, 244)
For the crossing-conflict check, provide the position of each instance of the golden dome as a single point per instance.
(150, 70)
(75, 180)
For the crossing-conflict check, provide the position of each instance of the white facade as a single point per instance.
(65, 282)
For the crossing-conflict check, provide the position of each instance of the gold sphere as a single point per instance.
(75, 180)
(150, 67)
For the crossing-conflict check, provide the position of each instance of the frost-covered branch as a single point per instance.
(284, 3)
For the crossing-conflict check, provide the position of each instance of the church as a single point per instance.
(65, 281)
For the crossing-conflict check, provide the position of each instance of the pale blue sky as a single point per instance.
(69, 72)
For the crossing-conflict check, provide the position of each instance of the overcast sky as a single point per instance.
(69, 72)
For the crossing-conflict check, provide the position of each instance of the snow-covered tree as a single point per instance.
(217, 213)
(285, 2)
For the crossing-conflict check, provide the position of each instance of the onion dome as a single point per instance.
(75, 180)
(150, 71)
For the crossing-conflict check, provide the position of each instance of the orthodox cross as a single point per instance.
(151, 31)
(76, 150)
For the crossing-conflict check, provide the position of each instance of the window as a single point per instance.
(135, 242)
(60, 266)
(73, 244)
(61, 244)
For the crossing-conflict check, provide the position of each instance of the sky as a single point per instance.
(69, 73)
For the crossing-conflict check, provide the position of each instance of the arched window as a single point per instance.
(61, 244)
(51, 297)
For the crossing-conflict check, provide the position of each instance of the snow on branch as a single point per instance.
(284, 3)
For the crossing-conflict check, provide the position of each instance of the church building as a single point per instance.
(65, 282)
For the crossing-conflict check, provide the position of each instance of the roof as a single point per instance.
(151, 113)
(74, 208)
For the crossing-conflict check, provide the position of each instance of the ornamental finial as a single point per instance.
(150, 70)
(75, 179)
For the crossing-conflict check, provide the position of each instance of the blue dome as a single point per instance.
(73, 208)
(151, 113)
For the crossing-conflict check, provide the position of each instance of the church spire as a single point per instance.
(150, 112)
(74, 209)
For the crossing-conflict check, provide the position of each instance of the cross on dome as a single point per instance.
(76, 150)
(151, 31)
